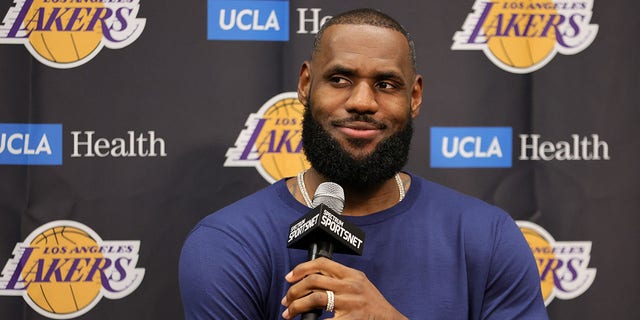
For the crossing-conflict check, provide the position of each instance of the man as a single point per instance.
(429, 253)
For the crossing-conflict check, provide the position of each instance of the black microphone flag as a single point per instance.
(323, 224)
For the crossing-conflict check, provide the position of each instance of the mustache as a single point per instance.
(359, 118)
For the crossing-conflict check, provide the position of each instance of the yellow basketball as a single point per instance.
(542, 250)
(521, 51)
(280, 139)
(56, 44)
(63, 297)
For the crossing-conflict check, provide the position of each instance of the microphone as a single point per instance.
(323, 231)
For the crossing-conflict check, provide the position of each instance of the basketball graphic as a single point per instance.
(57, 245)
(563, 266)
(272, 141)
(65, 34)
(523, 36)
(63, 269)
(541, 249)
(68, 41)
(280, 140)
(521, 50)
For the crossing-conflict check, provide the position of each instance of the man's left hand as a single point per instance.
(355, 297)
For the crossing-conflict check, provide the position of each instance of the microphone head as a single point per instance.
(324, 222)
(330, 194)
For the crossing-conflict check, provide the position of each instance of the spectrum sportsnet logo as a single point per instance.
(522, 37)
(563, 265)
(68, 33)
(272, 140)
(64, 268)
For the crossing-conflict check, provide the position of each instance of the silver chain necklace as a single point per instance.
(307, 200)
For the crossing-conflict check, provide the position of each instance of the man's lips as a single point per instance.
(359, 129)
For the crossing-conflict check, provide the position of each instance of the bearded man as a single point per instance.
(430, 252)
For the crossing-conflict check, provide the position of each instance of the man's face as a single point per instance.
(360, 88)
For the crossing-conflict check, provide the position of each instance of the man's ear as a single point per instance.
(416, 96)
(304, 81)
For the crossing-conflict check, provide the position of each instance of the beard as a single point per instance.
(330, 159)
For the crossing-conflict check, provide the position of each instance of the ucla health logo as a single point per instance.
(523, 36)
(64, 268)
(69, 33)
(30, 144)
(272, 140)
(563, 265)
(471, 147)
(248, 20)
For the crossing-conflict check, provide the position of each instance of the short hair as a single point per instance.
(367, 16)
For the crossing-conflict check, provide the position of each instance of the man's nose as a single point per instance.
(362, 99)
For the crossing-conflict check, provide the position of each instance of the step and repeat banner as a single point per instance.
(124, 122)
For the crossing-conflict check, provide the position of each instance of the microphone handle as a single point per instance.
(311, 315)
(318, 249)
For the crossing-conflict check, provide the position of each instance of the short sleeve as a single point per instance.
(218, 278)
(513, 286)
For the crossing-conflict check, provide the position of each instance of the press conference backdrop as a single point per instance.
(123, 123)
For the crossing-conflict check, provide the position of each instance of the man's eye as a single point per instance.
(385, 85)
(337, 80)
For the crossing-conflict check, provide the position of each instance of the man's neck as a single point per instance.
(358, 201)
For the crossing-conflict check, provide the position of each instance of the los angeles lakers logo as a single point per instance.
(523, 36)
(272, 140)
(563, 265)
(68, 33)
(63, 269)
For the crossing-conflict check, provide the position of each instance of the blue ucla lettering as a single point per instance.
(19, 144)
(247, 19)
(470, 147)
(266, 20)
(466, 147)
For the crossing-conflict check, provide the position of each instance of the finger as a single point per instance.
(308, 285)
(315, 300)
(321, 265)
